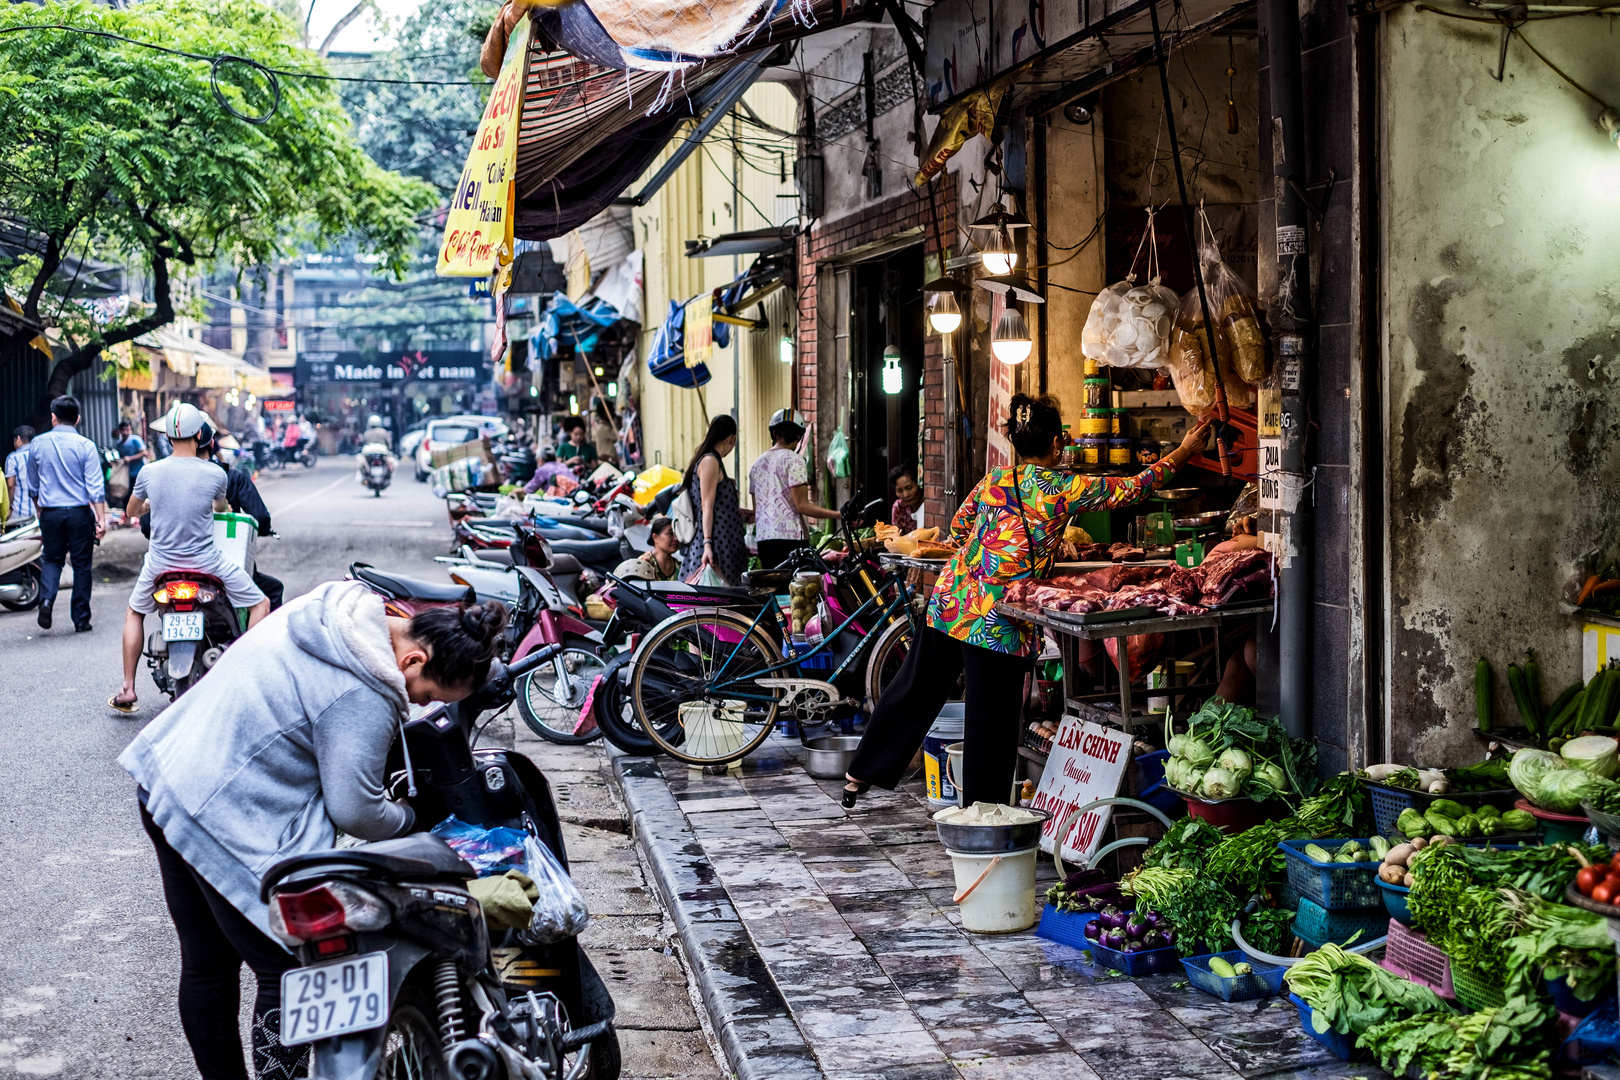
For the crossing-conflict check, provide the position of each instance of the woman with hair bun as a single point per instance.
(1009, 528)
(280, 747)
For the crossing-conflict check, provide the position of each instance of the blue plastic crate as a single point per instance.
(1065, 927)
(1150, 962)
(1387, 806)
(1597, 1036)
(1388, 802)
(1342, 1047)
(1315, 924)
(1565, 1001)
(1335, 886)
(1264, 981)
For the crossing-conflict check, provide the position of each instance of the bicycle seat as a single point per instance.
(399, 587)
(417, 857)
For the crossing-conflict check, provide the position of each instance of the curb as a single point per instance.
(746, 1009)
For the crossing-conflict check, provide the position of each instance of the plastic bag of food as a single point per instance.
(559, 909)
(1240, 343)
(1129, 325)
(488, 851)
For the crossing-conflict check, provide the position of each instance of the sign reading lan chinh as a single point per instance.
(478, 229)
(1087, 763)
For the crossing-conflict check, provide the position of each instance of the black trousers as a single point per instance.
(773, 552)
(908, 708)
(271, 587)
(67, 532)
(215, 940)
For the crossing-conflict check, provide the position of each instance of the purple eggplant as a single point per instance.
(1132, 947)
(1112, 918)
(1153, 940)
(1156, 920)
(1169, 935)
(1093, 930)
(1135, 927)
(1113, 939)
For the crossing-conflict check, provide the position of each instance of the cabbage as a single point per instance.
(1197, 752)
(1562, 790)
(1272, 774)
(1527, 768)
(1236, 761)
(1597, 754)
(1221, 783)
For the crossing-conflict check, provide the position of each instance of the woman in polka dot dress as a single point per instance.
(719, 539)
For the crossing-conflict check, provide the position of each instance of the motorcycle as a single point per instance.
(377, 471)
(394, 950)
(300, 454)
(19, 567)
(196, 625)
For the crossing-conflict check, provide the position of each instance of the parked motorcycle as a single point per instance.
(377, 471)
(400, 975)
(19, 567)
(300, 454)
(196, 625)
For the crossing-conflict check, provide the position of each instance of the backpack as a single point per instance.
(683, 517)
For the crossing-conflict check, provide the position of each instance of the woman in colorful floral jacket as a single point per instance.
(1009, 528)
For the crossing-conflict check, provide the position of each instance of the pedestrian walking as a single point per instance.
(779, 484)
(1009, 528)
(718, 542)
(70, 499)
(22, 507)
(286, 741)
(132, 448)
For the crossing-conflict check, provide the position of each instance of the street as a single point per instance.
(88, 957)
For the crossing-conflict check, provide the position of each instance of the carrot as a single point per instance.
(1606, 586)
(1586, 591)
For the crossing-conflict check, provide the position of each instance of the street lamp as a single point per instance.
(785, 349)
(893, 377)
(1011, 342)
(998, 255)
(944, 314)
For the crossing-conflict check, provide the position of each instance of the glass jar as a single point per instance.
(804, 599)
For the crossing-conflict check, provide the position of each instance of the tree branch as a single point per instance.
(331, 37)
(80, 359)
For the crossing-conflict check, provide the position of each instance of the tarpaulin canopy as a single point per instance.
(666, 357)
(566, 323)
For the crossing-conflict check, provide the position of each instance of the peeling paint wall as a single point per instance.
(1502, 349)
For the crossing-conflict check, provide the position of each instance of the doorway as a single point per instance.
(887, 309)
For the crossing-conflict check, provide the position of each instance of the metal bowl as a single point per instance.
(829, 757)
(993, 839)
(1200, 521)
(1608, 824)
(1176, 494)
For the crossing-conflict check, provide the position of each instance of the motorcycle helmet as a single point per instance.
(374, 421)
(186, 421)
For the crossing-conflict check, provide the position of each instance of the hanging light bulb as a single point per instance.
(998, 255)
(785, 349)
(893, 377)
(1011, 342)
(943, 313)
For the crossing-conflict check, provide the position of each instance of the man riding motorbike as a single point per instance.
(261, 764)
(184, 490)
(243, 496)
(376, 445)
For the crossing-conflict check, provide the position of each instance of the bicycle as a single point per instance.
(708, 684)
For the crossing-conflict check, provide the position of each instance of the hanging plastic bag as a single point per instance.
(1130, 325)
(838, 455)
(707, 577)
(559, 909)
(1240, 344)
(488, 851)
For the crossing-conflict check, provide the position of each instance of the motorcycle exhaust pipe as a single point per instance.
(474, 1059)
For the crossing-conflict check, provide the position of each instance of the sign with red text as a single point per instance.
(478, 228)
(1087, 763)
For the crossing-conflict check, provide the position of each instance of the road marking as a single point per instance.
(398, 524)
(296, 503)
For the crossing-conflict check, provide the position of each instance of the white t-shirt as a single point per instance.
(771, 482)
(182, 491)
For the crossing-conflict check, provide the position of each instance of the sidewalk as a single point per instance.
(825, 944)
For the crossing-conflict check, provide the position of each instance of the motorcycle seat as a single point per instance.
(398, 587)
(500, 558)
(589, 551)
(417, 857)
(771, 578)
(492, 523)
(564, 563)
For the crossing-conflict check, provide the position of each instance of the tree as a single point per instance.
(130, 152)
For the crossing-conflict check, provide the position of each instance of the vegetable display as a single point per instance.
(1559, 783)
(1229, 752)
(1349, 993)
(1499, 1044)
(1447, 818)
(1131, 931)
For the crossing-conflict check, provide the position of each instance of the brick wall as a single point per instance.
(830, 239)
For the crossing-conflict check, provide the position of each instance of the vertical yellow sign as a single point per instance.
(699, 330)
(478, 229)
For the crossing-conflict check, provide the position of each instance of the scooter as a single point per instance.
(377, 472)
(197, 624)
(400, 975)
(19, 567)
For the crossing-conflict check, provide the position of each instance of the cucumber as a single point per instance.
(1557, 714)
(1601, 695)
(1483, 704)
(1532, 687)
(1316, 853)
(1521, 698)
(1221, 968)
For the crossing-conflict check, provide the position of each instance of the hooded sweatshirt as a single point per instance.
(286, 737)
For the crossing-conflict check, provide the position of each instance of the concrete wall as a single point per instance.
(1503, 346)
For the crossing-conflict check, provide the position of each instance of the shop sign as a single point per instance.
(285, 405)
(316, 368)
(1087, 763)
(1270, 447)
(699, 330)
(478, 228)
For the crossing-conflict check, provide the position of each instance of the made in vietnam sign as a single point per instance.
(478, 228)
(461, 365)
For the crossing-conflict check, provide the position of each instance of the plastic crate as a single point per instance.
(1342, 1047)
(1264, 981)
(1409, 955)
(1149, 962)
(1475, 990)
(1287, 897)
(1335, 886)
(1313, 922)
(1066, 927)
(1565, 1001)
(1395, 902)
(1388, 801)
(1596, 1037)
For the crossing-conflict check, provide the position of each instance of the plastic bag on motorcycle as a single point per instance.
(559, 911)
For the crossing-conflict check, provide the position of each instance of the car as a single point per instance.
(440, 435)
(412, 438)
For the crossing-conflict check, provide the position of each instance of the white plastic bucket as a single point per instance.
(1002, 900)
(236, 536)
(948, 728)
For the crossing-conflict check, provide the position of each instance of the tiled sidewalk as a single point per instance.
(844, 922)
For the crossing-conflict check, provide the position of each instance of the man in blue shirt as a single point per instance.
(132, 449)
(70, 499)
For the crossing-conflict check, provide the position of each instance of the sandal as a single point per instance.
(853, 793)
(125, 707)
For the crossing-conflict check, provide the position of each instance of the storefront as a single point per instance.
(339, 390)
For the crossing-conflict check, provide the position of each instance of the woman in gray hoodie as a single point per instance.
(284, 744)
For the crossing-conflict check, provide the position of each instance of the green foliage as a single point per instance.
(124, 151)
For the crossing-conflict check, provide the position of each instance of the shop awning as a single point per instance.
(210, 368)
(753, 242)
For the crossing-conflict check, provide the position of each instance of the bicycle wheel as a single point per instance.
(883, 663)
(551, 696)
(694, 674)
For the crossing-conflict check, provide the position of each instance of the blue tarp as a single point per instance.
(666, 358)
(566, 323)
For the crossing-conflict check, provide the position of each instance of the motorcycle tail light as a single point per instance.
(183, 590)
(329, 909)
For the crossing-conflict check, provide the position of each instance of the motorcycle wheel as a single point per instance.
(31, 597)
(377, 492)
(617, 717)
(547, 716)
(411, 1049)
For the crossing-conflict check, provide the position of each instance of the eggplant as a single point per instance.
(1156, 920)
(1169, 935)
(1153, 940)
(1113, 939)
(1135, 927)
(1093, 931)
(1132, 947)
(1112, 918)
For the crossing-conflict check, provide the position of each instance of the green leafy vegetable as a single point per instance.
(1352, 994)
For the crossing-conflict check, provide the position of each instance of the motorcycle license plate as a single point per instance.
(182, 626)
(334, 999)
